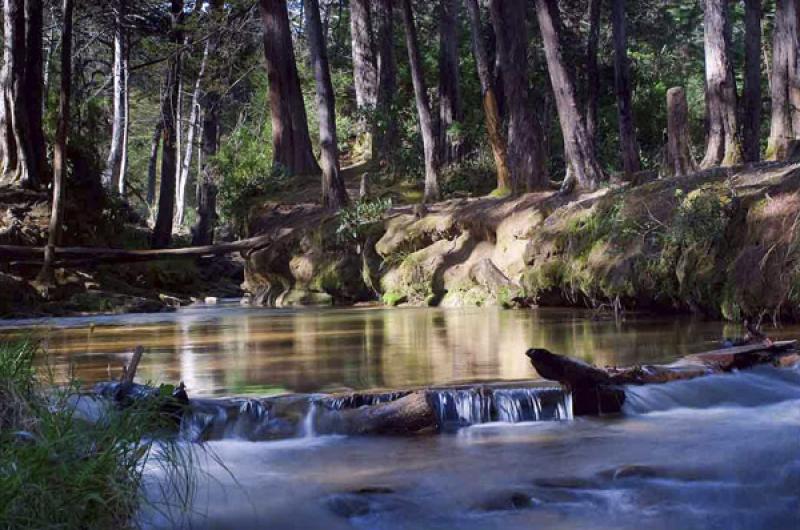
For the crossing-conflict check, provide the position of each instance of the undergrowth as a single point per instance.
(68, 462)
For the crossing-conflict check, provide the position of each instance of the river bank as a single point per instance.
(722, 243)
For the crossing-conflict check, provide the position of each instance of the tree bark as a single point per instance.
(123, 165)
(162, 232)
(152, 164)
(582, 166)
(60, 148)
(365, 72)
(722, 145)
(426, 125)
(592, 71)
(19, 167)
(386, 130)
(203, 231)
(194, 124)
(679, 155)
(490, 110)
(784, 63)
(119, 123)
(34, 87)
(365, 66)
(525, 148)
(751, 114)
(450, 108)
(333, 192)
(290, 139)
(622, 84)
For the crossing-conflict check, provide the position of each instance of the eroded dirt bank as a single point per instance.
(725, 243)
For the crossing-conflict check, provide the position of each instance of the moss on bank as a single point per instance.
(722, 243)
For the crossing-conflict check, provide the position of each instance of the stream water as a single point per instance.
(717, 452)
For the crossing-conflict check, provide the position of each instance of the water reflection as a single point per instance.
(233, 350)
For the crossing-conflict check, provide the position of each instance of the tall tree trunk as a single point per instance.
(387, 129)
(622, 84)
(60, 148)
(365, 70)
(491, 112)
(291, 142)
(722, 145)
(18, 165)
(203, 231)
(334, 194)
(194, 124)
(152, 164)
(679, 161)
(113, 172)
(34, 87)
(592, 71)
(450, 110)
(426, 125)
(751, 114)
(162, 232)
(123, 166)
(525, 147)
(784, 63)
(582, 166)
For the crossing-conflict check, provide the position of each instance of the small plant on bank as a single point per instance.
(355, 220)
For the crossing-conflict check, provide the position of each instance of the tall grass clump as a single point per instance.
(74, 461)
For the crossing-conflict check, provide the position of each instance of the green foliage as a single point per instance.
(356, 219)
(60, 468)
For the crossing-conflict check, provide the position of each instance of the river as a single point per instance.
(717, 452)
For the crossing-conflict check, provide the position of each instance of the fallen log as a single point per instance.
(65, 255)
(407, 415)
(602, 391)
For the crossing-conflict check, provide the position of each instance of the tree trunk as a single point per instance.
(152, 165)
(432, 192)
(123, 166)
(784, 59)
(203, 231)
(592, 71)
(490, 109)
(333, 193)
(112, 175)
(679, 160)
(525, 148)
(751, 114)
(34, 87)
(582, 166)
(18, 165)
(386, 130)
(450, 110)
(60, 149)
(194, 123)
(622, 84)
(365, 70)
(722, 145)
(290, 140)
(162, 232)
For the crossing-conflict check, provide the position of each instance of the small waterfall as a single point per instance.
(462, 407)
(308, 430)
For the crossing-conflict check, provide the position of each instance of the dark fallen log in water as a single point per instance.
(602, 391)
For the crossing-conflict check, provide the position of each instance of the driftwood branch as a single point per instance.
(598, 391)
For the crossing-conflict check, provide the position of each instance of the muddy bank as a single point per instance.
(724, 243)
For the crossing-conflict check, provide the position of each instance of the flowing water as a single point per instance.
(717, 452)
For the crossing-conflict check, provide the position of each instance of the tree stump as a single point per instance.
(679, 155)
